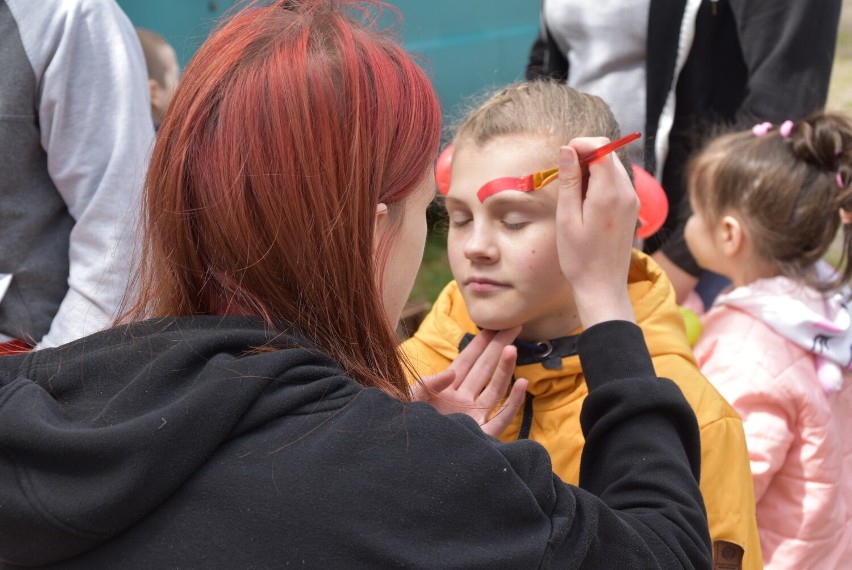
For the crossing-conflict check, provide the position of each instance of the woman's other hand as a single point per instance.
(477, 381)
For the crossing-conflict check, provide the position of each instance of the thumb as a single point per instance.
(501, 419)
(570, 204)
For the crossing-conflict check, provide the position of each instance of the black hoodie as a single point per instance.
(175, 444)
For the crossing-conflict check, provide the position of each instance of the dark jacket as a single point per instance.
(748, 61)
(177, 444)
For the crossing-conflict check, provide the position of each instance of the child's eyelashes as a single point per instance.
(509, 224)
(509, 220)
(459, 222)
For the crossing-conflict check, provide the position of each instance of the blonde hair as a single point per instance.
(543, 107)
(788, 189)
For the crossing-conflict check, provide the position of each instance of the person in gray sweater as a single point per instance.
(75, 131)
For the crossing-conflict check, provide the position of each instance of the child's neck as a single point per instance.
(557, 325)
(745, 270)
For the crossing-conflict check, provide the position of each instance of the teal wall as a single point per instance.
(468, 45)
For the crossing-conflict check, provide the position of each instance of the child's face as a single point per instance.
(703, 242)
(503, 252)
(162, 93)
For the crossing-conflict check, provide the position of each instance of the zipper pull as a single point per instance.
(714, 7)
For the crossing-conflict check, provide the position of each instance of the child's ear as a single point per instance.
(380, 226)
(732, 235)
(155, 93)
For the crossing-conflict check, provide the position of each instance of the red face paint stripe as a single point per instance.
(524, 184)
(540, 179)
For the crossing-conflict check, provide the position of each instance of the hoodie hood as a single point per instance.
(817, 322)
(86, 428)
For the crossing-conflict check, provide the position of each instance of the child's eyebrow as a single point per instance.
(501, 199)
(453, 200)
(510, 198)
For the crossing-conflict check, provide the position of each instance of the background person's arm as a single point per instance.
(682, 281)
(546, 59)
(788, 47)
(94, 117)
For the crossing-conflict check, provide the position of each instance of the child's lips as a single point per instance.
(484, 285)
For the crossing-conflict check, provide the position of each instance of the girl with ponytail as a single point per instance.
(767, 205)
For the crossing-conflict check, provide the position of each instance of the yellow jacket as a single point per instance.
(551, 414)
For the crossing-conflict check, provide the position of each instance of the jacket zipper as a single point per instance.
(526, 421)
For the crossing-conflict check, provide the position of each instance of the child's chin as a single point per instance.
(493, 323)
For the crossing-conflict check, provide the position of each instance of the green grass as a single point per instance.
(435, 272)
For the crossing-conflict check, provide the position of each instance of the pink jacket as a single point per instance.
(780, 354)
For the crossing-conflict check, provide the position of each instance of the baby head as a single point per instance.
(769, 201)
(502, 251)
(163, 71)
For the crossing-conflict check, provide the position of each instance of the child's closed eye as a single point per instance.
(514, 222)
(514, 225)
(459, 221)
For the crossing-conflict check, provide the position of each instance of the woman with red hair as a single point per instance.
(252, 410)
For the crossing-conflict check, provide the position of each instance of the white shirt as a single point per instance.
(605, 43)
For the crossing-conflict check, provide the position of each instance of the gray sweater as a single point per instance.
(75, 130)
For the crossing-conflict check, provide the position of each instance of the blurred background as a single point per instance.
(467, 46)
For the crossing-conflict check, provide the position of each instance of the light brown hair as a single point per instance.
(788, 189)
(542, 107)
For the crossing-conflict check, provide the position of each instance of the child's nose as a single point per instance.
(480, 245)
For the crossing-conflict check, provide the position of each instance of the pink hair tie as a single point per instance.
(786, 128)
(839, 180)
(761, 129)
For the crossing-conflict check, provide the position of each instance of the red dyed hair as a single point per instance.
(290, 125)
